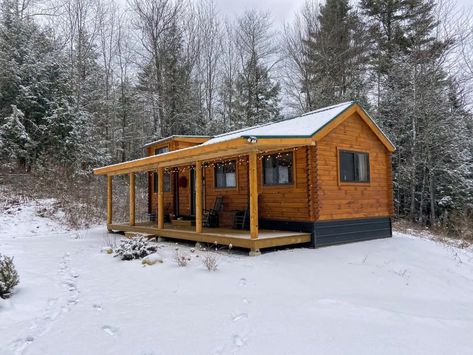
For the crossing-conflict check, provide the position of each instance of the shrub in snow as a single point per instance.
(134, 248)
(181, 259)
(8, 276)
(210, 262)
(152, 259)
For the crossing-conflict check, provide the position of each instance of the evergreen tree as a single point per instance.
(15, 143)
(36, 90)
(257, 97)
(336, 54)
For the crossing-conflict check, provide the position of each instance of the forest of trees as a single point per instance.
(85, 83)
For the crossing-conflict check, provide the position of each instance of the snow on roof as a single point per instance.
(175, 136)
(305, 125)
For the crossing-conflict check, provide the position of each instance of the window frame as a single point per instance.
(215, 176)
(276, 185)
(155, 182)
(339, 170)
(166, 147)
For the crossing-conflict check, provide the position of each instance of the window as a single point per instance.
(277, 169)
(225, 174)
(354, 166)
(161, 150)
(167, 182)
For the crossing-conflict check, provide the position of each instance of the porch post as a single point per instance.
(109, 200)
(132, 199)
(253, 177)
(198, 197)
(160, 216)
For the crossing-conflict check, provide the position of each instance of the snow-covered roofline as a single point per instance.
(174, 137)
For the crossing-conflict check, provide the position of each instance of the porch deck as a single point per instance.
(223, 236)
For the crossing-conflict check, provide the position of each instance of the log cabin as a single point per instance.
(319, 179)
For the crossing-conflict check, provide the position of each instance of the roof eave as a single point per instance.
(214, 151)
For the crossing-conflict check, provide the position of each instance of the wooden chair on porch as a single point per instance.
(241, 219)
(210, 217)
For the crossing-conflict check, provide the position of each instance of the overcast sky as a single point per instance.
(281, 10)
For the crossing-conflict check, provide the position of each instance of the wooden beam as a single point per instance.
(132, 199)
(198, 197)
(109, 200)
(253, 177)
(160, 216)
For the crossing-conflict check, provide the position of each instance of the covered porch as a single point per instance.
(196, 157)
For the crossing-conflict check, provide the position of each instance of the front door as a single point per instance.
(192, 191)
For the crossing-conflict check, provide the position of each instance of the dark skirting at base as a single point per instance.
(335, 232)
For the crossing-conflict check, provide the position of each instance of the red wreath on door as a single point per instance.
(183, 182)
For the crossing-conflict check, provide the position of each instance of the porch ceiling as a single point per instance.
(202, 153)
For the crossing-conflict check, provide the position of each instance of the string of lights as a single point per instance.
(238, 160)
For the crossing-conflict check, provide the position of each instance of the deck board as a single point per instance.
(221, 236)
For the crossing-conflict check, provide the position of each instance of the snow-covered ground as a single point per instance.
(404, 295)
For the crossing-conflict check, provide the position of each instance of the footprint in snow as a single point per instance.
(238, 340)
(71, 284)
(245, 300)
(72, 301)
(52, 301)
(97, 307)
(110, 330)
(242, 282)
(20, 344)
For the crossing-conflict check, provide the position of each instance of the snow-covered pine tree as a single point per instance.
(36, 90)
(336, 56)
(15, 142)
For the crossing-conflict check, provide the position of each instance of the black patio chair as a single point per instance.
(210, 217)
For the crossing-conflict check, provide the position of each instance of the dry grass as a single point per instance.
(110, 240)
(210, 261)
(181, 259)
(458, 236)
(77, 201)
(461, 225)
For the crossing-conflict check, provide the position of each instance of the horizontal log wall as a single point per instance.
(345, 201)
(287, 202)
